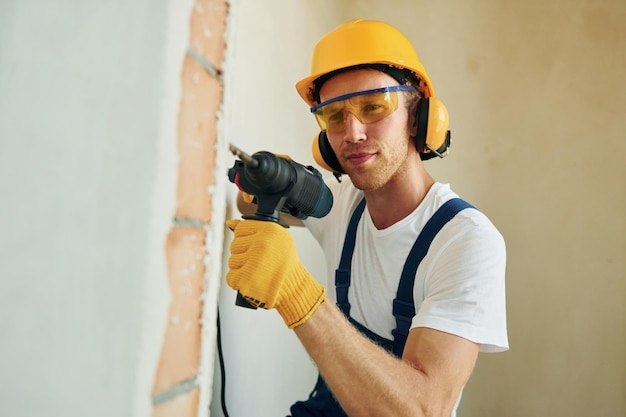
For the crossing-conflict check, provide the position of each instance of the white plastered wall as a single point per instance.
(87, 165)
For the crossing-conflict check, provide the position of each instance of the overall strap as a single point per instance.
(342, 274)
(404, 305)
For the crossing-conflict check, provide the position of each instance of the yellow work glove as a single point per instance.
(265, 269)
(247, 198)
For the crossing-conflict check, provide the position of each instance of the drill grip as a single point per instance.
(242, 302)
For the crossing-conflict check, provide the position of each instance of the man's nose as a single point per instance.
(354, 129)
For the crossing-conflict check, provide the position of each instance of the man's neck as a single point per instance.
(398, 198)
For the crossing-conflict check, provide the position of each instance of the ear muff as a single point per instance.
(433, 137)
(324, 154)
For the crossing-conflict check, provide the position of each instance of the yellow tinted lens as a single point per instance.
(331, 117)
(367, 108)
(375, 106)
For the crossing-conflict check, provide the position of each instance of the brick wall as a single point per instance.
(177, 386)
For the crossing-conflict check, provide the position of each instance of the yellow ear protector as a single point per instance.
(432, 138)
(433, 135)
(324, 155)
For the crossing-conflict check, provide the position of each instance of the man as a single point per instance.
(400, 332)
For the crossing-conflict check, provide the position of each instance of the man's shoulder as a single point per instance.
(470, 223)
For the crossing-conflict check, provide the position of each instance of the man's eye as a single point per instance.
(373, 108)
(336, 117)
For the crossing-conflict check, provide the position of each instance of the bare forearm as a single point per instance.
(365, 379)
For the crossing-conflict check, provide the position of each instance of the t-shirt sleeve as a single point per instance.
(464, 289)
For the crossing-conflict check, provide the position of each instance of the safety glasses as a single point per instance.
(367, 106)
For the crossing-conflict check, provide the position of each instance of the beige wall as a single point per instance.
(536, 95)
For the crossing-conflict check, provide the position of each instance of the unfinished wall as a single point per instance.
(193, 249)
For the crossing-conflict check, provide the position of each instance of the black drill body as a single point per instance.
(281, 185)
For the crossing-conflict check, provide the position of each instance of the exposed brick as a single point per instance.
(185, 405)
(197, 136)
(180, 354)
(208, 24)
(201, 97)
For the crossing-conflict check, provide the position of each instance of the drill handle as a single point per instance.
(242, 302)
(268, 208)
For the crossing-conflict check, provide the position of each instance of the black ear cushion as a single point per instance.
(422, 124)
(327, 153)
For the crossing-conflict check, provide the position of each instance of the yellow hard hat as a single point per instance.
(359, 42)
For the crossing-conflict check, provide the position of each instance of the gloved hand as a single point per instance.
(247, 198)
(265, 269)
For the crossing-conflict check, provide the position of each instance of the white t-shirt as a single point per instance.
(459, 285)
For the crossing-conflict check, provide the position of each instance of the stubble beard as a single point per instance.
(389, 162)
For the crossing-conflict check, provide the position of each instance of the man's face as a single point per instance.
(373, 153)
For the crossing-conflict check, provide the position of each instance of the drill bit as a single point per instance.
(247, 159)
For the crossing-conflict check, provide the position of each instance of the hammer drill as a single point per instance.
(279, 185)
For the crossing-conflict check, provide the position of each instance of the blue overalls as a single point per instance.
(321, 402)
